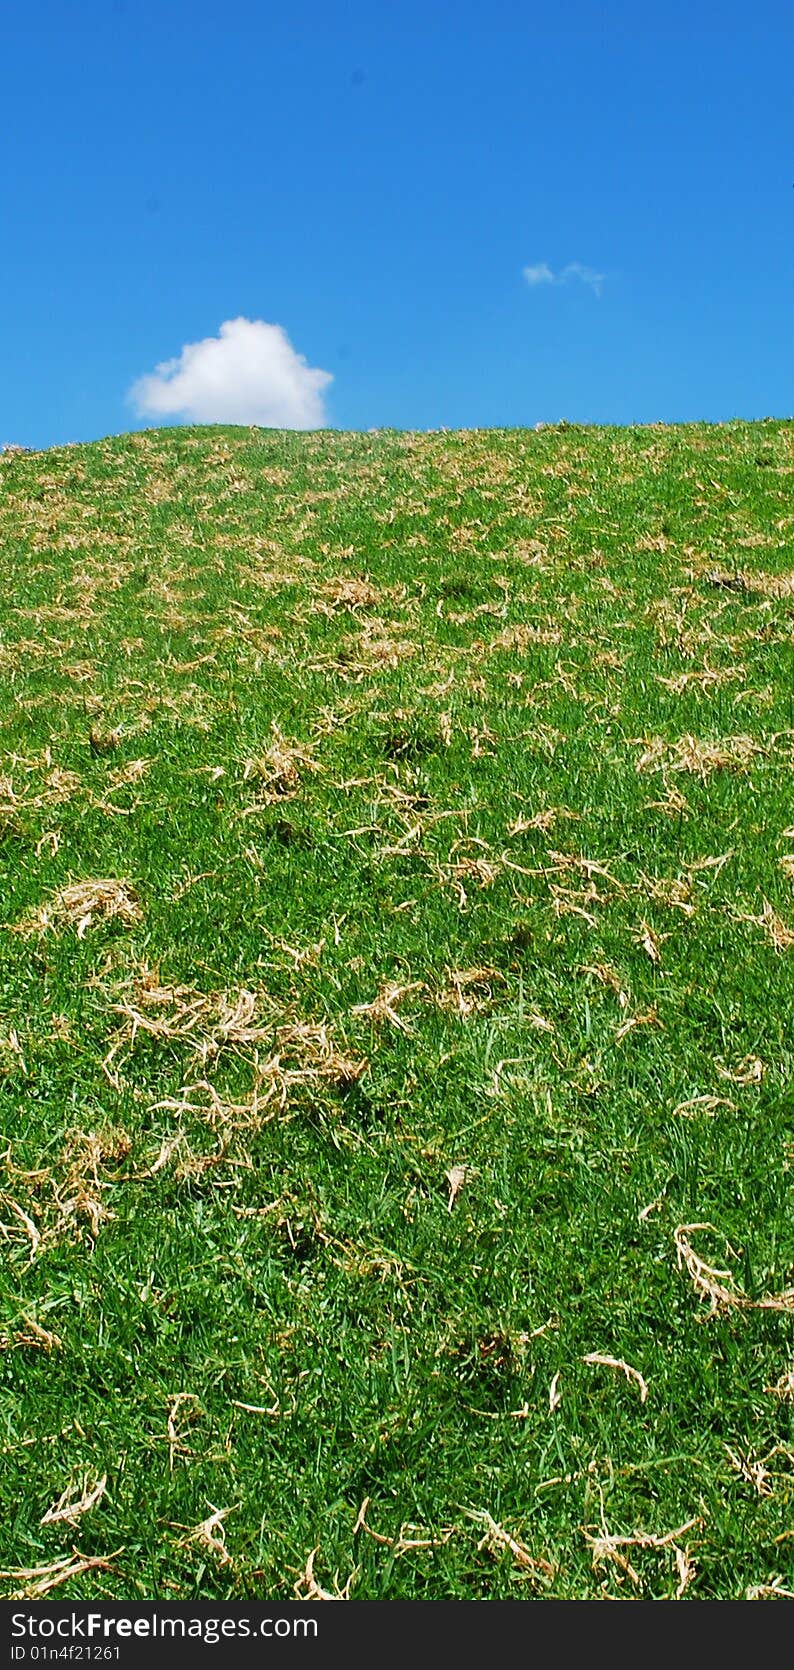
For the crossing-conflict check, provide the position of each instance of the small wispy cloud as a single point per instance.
(585, 275)
(541, 274)
(575, 271)
(248, 373)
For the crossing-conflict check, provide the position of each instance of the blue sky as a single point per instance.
(375, 180)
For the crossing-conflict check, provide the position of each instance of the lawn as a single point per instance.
(396, 863)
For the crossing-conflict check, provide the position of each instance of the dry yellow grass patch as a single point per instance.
(79, 1193)
(77, 1499)
(674, 892)
(467, 990)
(545, 739)
(607, 976)
(209, 1535)
(784, 1386)
(482, 737)
(650, 941)
(68, 1203)
(674, 805)
(39, 1580)
(763, 585)
(697, 755)
(654, 542)
(532, 553)
(31, 1336)
(750, 1070)
(349, 593)
(701, 678)
(383, 1007)
(228, 1121)
(205, 1020)
(519, 638)
(297, 1054)
(306, 1054)
(602, 1360)
(772, 1590)
(278, 773)
(58, 787)
(710, 1282)
(372, 648)
(772, 585)
(479, 871)
(240, 629)
(464, 617)
(779, 934)
(82, 905)
(11, 1056)
(649, 1017)
(307, 1587)
(499, 1541)
(571, 901)
(542, 821)
(702, 1104)
(606, 1547)
(409, 1539)
(756, 1470)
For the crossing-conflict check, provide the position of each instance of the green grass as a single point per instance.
(494, 731)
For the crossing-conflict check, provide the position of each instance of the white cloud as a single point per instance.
(542, 274)
(248, 373)
(585, 275)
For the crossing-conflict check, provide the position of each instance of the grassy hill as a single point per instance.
(396, 859)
